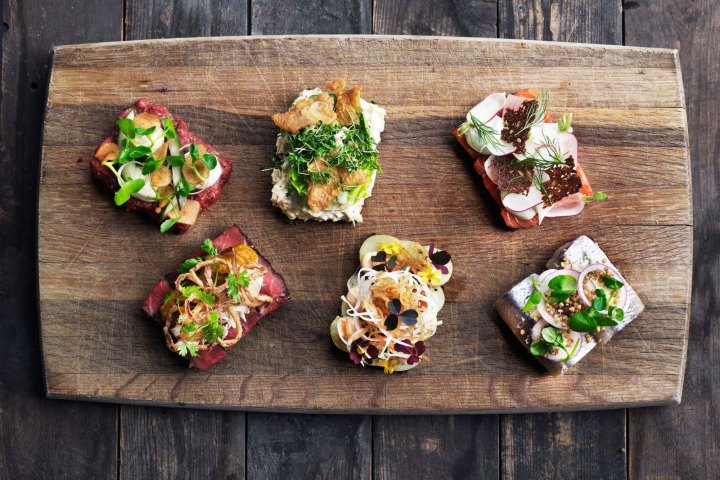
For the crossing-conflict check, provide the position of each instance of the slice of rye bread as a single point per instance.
(205, 198)
(273, 285)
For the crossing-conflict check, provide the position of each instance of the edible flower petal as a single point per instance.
(430, 275)
(388, 365)
(391, 248)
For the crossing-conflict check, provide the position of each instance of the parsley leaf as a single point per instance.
(235, 281)
(185, 349)
(208, 247)
(213, 330)
(198, 291)
(133, 186)
(188, 264)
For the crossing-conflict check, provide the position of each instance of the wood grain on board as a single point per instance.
(226, 89)
(162, 442)
(39, 438)
(579, 444)
(694, 29)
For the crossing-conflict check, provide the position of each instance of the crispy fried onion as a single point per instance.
(364, 324)
(212, 275)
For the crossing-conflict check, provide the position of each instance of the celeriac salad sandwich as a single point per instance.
(326, 161)
(392, 304)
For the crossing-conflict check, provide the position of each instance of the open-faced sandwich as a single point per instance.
(392, 304)
(326, 161)
(215, 298)
(581, 301)
(528, 164)
(154, 164)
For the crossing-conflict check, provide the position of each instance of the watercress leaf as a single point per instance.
(552, 336)
(169, 128)
(561, 295)
(582, 322)
(563, 283)
(539, 347)
(612, 283)
(168, 224)
(131, 187)
(532, 302)
(127, 127)
(194, 151)
(210, 161)
(600, 292)
(175, 160)
(599, 303)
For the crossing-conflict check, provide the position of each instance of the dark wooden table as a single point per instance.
(40, 438)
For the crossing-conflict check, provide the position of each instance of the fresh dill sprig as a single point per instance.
(535, 112)
(487, 134)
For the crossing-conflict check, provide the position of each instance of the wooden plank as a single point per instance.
(291, 17)
(462, 18)
(33, 427)
(181, 444)
(693, 28)
(412, 447)
(164, 443)
(587, 21)
(646, 235)
(579, 444)
(187, 18)
(574, 445)
(308, 446)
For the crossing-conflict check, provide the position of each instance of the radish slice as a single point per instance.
(513, 102)
(497, 146)
(547, 316)
(519, 202)
(539, 135)
(488, 108)
(489, 168)
(567, 207)
(622, 293)
(568, 145)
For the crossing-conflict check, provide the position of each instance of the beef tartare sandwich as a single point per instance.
(528, 164)
(581, 301)
(392, 304)
(215, 298)
(326, 160)
(153, 163)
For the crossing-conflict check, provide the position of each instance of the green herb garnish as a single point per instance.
(590, 319)
(169, 130)
(550, 338)
(168, 224)
(612, 283)
(235, 281)
(209, 160)
(595, 197)
(127, 190)
(198, 291)
(175, 160)
(185, 349)
(320, 144)
(212, 329)
(562, 286)
(486, 134)
(208, 247)
(188, 264)
(127, 127)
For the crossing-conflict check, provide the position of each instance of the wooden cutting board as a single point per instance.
(97, 262)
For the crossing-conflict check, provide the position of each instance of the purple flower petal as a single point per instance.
(372, 351)
(402, 348)
(442, 268)
(355, 357)
(420, 348)
(413, 360)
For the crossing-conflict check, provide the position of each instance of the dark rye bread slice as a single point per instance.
(205, 198)
(273, 286)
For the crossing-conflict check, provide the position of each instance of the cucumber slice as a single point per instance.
(335, 336)
(398, 368)
(373, 242)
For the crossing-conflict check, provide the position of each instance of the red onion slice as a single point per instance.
(547, 316)
(622, 301)
(572, 349)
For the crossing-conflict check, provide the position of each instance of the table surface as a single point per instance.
(41, 438)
